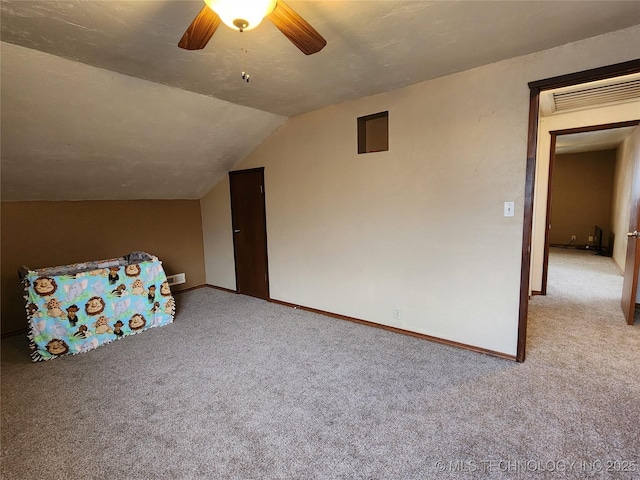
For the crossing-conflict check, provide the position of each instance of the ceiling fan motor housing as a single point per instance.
(242, 14)
(246, 15)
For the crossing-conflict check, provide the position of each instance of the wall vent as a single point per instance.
(588, 95)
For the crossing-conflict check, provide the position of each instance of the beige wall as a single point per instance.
(419, 227)
(582, 190)
(41, 234)
(216, 222)
(627, 157)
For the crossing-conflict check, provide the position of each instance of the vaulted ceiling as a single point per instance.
(98, 102)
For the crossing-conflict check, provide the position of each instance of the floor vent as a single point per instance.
(176, 279)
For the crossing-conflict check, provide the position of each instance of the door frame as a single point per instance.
(552, 158)
(601, 73)
(233, 226)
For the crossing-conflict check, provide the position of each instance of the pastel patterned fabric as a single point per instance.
(76, 308)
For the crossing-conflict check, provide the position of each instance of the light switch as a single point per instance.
(509, 209)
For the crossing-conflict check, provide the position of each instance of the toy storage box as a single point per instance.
(76, 308)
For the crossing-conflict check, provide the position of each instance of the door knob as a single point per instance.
(236, 231)
(634, 234)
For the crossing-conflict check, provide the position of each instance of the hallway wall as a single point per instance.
(582, 191)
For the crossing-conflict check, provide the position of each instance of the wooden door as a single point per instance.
(630, 285)
(249, 224)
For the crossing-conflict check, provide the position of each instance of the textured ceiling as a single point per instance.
(591, 141)
(188, 120)
(373, 46)
(74, 132)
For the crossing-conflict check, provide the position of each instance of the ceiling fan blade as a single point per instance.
(296, 29)
(201, 30)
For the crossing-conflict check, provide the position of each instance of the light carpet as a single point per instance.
(238, 388)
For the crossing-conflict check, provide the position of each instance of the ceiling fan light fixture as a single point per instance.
(235, 13)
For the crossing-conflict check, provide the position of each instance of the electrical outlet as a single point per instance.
(573, 237)
(396, 313)
(591, 238)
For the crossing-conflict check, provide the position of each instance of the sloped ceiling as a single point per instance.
(102, 95)
(75, 132)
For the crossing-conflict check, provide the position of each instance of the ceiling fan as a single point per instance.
(247, 14)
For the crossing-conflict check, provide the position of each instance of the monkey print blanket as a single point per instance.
(76, 308)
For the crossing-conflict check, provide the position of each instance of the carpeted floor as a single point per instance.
(238, 388)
